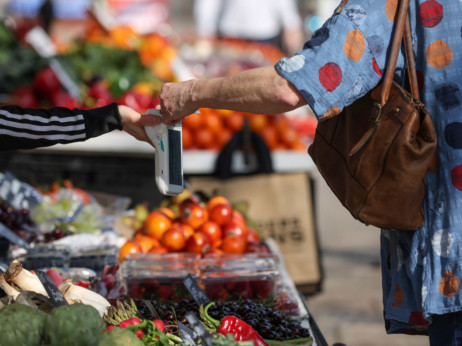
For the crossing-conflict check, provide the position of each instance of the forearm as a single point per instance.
(24, 128)
(260, 90)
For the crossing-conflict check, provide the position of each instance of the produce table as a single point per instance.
(194, 161)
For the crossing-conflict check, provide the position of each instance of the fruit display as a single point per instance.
(185, 224)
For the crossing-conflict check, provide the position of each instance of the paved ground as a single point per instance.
(349, 308)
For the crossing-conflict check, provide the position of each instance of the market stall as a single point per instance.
(84, 222)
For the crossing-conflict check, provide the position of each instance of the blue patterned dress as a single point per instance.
(422, 270)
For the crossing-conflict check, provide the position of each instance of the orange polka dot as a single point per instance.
(390, 8)
(398, 299)
(449, 284)
(439, 54)
(333, 111)
(354, 45)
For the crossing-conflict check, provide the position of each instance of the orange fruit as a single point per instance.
(224, 137)
(258, 122)
(188, 139)
(156, 224)
(235, 121)
(193, 121)
(214, 201)
(146, 242)
(205, 138)
(173, 238)
(270, 136)
(214, 122)
(130, 246)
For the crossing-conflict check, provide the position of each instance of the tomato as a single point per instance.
(158, 249)
(212, 230)
(194, 215)
(258, 122)
(255, 247)
(239, 218)
(146, 242)
(193, 121)
(224, 137)
(167, 211)
(188, 139)
(214, 201)
(252, 235)
(270, 136)
(222, 214)
(234, 228)
(173, 238)
(290, 136)
(156, 224)
(235, 121)
(130, 246)
(233, 244)
(205, 139)
(186, 229)
(198, 243)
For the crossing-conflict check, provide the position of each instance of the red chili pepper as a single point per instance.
(139, 333)
(237, 327)
(241, 330)
(109, 328)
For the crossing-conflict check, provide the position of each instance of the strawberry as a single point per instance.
(263, 287)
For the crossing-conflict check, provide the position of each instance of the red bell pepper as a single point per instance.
(237, 327)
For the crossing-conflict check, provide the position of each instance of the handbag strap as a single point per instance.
(402, 31)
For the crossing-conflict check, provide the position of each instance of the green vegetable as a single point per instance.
(119, 337)
(21, 325)
(73, 325)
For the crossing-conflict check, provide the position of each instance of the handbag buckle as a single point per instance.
(379, 112)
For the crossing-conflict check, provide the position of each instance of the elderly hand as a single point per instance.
(177, 101)
(133, 122)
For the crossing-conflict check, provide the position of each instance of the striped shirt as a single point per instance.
(26, 128)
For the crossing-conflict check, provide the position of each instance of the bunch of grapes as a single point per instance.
(20, 222)
(269, 322)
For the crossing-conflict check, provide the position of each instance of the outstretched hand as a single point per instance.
(133, 122)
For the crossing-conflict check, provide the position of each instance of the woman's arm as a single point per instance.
(260, 90)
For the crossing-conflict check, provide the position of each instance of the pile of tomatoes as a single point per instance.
(213, 128)
(212, 227)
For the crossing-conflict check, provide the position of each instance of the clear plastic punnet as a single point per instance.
(158, 276)
(246, 276)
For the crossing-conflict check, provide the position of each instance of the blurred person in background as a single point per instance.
(344, 60)
(275, 22)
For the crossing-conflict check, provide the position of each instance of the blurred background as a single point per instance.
(88, 53)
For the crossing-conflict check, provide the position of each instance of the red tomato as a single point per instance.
(194, 215)
(234, 228)
(233, 244)
(173, 238)
(212, 230)
(252, 235)
(198, 243)
(239, 218)
(222, 214)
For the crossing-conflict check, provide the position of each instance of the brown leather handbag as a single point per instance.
(375, 154)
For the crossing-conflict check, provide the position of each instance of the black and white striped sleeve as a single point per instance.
(26, 128)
